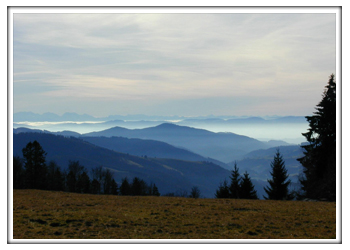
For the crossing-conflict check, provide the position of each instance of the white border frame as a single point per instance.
(243, 9)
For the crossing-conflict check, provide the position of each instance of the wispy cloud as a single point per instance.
(160, 57)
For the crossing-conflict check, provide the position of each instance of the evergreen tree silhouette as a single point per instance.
(234, 187)
(155, 191)
(319, 160)
(278, 185)
(125, 188)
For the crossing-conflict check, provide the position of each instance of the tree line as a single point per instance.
(318, 179)
(32, 172)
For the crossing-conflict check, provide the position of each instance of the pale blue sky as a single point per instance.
(172, 64)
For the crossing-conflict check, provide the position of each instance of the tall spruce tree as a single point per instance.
(234, 187)
(247, 190)
(278, 189)
(319, 160)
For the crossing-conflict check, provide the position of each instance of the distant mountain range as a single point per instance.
(180, 120)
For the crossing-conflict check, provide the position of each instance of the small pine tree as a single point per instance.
(278, 189)
(247, 190)
(136, 187)
(125, 188)
(155, 191)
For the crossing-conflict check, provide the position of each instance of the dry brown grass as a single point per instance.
(58, 215)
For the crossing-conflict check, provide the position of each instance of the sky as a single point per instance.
(172, 64)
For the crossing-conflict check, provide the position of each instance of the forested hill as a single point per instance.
(168, 175)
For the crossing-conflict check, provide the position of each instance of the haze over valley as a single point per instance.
(286, 128)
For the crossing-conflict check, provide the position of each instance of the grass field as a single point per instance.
(58, 215)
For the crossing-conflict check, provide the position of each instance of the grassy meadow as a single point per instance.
(58, 215)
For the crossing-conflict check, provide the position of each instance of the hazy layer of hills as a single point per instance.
(224, 147)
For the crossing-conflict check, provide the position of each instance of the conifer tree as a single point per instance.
(319, 160)
(234, 187)
(155, 191)
(247, 190)
(125, 188)
(136, 187)
(114, 187)
(278, 185)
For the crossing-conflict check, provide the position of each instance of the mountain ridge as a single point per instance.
(224, 147)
